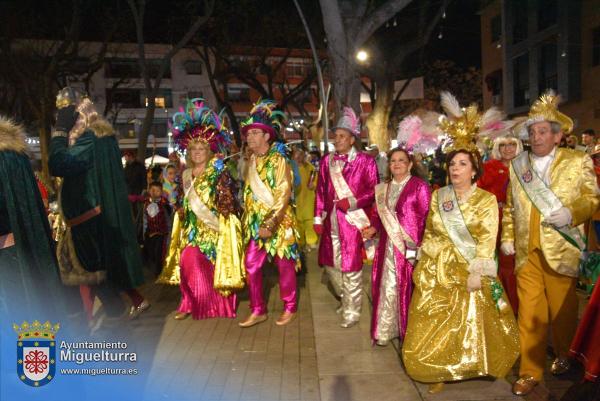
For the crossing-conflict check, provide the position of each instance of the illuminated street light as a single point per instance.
(362, 55)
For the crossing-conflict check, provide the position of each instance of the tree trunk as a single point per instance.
(44, 150)
(145, 129)
(379, 118)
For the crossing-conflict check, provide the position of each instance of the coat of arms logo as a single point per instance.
(36, 352)
(448, 205)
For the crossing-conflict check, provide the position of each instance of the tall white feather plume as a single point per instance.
(450, 104)
(491, 116)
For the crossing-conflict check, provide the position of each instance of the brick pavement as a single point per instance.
(311, 359)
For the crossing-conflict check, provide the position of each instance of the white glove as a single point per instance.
(559, 218)
(477, 268)
(508, 248)
(473, 282)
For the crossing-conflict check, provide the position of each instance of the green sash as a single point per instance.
(455, 223)
(542, 197)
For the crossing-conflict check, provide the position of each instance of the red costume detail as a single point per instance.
(585, 346)
(495, 180)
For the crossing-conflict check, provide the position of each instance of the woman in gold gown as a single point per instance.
(459, 323)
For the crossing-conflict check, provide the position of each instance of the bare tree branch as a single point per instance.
(374, 20)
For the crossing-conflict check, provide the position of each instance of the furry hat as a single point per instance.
(12, 136)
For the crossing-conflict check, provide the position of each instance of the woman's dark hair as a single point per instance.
(474, 158)
(410, 157)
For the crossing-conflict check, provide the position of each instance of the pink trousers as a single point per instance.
(198, 295)
(255, 259)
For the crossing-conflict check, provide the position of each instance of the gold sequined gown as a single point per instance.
(453, 334)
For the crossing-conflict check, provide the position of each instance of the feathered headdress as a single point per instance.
(197, 122)
(264, 115)
(419, 134)
(465, 126)
(349, 121)
(546, 109)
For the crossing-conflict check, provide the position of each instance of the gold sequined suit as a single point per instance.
(573, 180)
(275, 172)
(546, 264)
(454, 334)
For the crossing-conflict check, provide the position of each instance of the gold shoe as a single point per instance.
(252, 320)
(524, 385)
(435, 388)
(181, 315)
(560, 366)
(285, 318)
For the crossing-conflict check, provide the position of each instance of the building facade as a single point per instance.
(529, 46)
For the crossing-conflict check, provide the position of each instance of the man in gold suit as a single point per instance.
(552, 192)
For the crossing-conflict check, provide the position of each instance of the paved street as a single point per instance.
(311, 359)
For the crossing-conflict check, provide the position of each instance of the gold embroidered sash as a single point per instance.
(389, 219)
(259, 188)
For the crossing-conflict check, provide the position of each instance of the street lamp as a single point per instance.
(362, 56)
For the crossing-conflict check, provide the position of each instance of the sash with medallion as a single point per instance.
(455, 223)
(542, 197)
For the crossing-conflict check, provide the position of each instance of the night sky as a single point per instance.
(246, 22)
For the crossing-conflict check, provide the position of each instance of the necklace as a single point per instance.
(465, 195)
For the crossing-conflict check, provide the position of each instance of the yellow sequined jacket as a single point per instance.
(276, 174)
(219, 238)
(573, 180)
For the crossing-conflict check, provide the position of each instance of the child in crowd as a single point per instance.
(157, 217)
(170, 186)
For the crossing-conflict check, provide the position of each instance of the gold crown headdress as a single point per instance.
(546, 109)
(36, 330)
(465, 126)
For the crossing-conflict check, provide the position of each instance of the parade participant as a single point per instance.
(269, 218)
(551, 192)
(135, 174)
(588, 138)
(495, 180)
(585, 345)
(98, 241)
(170, 185)
(345, 195)
(381, 161)
(175, 160)
(459, 323)
(205, 253)
(157, 217)
(305, 200)
(28, 270)
(402, 204)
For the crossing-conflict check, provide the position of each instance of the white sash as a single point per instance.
(389, 219)
(542, 197)
(259, 188)
(358, 218)
(200, 209)
(455, 223)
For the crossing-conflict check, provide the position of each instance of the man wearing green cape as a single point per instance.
(97, 249)
(30, 286)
